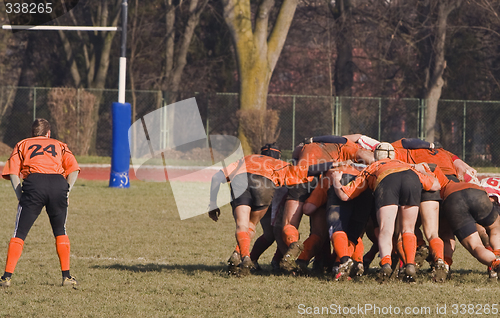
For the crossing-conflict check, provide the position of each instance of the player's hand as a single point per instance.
(214, 214)
(422, 167)
(337, 175)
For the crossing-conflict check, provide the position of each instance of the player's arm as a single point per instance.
(464, 171)
(337, 185)
(331, 139)
(16, 184)
(213, 209)
(71, 179)
(317, 169)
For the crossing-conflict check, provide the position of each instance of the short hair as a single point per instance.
(40, 127)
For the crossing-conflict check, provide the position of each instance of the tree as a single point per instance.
(344, 65)
(436, 63)
(257, 48)
(88, 53)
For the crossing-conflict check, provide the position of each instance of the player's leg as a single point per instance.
(29, 208)
(386, 217)
(57, 210)
(314, 243)
(474, 245)
(408, 218)
(292, 216)
(246, 221)
(265, 240)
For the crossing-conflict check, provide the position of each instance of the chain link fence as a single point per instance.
(82, 118)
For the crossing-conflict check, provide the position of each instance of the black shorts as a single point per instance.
(300, 192)
(464, 208)
(349, 216)
(39, 190)
(253, 190)
(430, 196)
(400, 188)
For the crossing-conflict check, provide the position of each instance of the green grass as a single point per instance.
(134, 257)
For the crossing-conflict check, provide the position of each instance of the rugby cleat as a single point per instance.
(344, 270)
(233, 262)
(246, 266)
(357, 270)
(302, 266)
(421, 255)
(288, 261)
(440, 272)
(256, 267)
(70, 281)
(5, 282)
(410, 272)
(385, 273)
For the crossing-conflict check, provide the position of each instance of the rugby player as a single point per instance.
(316, 150)
(253, 180)
(397, 187)
(464, 205)
(49, 171)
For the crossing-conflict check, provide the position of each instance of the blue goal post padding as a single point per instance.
(120, 156)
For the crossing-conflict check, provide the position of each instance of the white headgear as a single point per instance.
(384, 150)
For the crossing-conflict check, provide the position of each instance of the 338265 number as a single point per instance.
(31, 8)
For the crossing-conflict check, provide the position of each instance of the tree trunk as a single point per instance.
(257, 50)
(344, 72)
(435, 80)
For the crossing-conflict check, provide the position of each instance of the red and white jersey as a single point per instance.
(492, 186)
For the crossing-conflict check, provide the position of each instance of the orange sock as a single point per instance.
(496, 252)
(63, 249)
(359, 249)
(310, 247)
(243, 239)
(340, 244)
(237, 249)
(448, 260)
(400, 250)
(409, 247)
(386, 260)
(494, 265)
(436, 246)
(290, 234)
(13, 253)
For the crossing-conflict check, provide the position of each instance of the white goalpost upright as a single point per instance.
(121, 111)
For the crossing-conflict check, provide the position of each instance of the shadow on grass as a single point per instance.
(152, 267)
(187, 268)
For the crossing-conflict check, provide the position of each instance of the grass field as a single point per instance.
(134, 257)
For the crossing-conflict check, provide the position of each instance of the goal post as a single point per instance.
(121, 111)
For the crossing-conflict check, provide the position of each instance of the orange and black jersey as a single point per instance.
(319, 195)
(442, 158)
(372, 175)
(448, 186)
(317, 152)
(278, 171)
(40, 155)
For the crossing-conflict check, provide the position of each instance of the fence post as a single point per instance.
(293, 122)
(78, 123)
(34, 103)
(208, 122)
(464, 130)
(379, 117)
(422, 103)
(337, 116)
